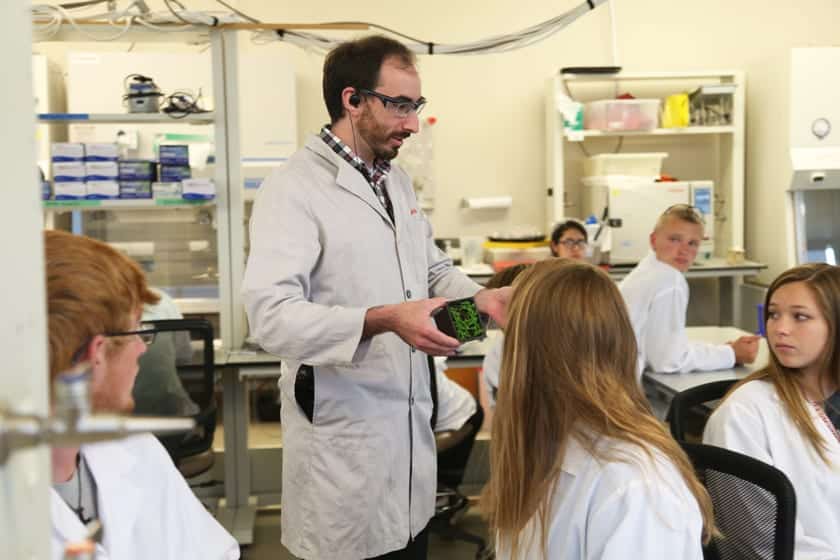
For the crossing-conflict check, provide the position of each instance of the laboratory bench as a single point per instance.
(660, 388)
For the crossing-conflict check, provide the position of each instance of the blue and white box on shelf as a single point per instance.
(101, 171)
(101, 152)
(67, 151)
(135, 189)
(198, 189)
(69, 180)
(137, 170)
(174, 154)
(166, 190)
(174, 173)
(102, 189)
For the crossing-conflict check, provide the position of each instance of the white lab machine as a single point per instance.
(815, 153)
(633, 204)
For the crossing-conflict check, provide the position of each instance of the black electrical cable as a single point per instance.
(180, 104)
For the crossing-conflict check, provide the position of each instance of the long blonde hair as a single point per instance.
(824, 282)
(568, 370)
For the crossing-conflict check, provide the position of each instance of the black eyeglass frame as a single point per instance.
(416, 106)
(569, 243)
(147, 329)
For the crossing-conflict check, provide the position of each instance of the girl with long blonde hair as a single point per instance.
(580, 468)
(781, 414)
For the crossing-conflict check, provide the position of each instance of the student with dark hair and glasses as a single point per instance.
(94, 299)
(656, 293)
(341, 280)
(569, 239)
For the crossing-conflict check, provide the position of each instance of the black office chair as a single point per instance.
(690, 409)
(754, 503)
(192, 452)
(453, 453)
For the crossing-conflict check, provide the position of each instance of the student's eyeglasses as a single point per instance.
(400, 106)
(572, 243)
(146, 332)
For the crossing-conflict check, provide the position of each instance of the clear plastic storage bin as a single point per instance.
(621, 114)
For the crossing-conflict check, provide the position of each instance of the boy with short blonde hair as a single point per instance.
(656, 294)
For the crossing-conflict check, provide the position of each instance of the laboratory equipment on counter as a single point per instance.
(631, 207)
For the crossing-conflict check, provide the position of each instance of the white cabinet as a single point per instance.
(696, 153)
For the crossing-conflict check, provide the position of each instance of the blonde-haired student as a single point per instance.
(656, 293)
(780, 414)
(580, 468)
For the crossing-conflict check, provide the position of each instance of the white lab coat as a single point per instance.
(656, 295)
(635, 508)
(490, 368)
(360, 479)
(455, 404)
(145, 506)
(753, 421)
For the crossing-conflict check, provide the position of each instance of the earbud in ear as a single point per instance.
(355, 99)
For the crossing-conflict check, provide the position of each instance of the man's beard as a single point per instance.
(377, 137)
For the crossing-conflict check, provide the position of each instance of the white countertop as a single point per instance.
(677, 382)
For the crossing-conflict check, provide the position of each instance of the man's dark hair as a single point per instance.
(356, 64)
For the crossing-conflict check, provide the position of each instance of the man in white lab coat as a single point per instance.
(656, 293)
(340, 272)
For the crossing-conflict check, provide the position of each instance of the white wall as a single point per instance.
(490, 134)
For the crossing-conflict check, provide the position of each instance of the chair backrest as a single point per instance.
(199, 441)
(754, 504)
(453, 446)
(691, 408)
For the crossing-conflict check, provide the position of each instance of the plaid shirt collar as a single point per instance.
(374, 176)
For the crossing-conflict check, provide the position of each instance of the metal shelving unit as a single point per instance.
(226, 207)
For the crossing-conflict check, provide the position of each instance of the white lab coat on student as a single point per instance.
(635, 508)
(490, 367)
(656, 295)
(145, 506)
(753, 421)
(359, 479)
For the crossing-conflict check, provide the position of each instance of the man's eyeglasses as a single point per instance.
(572, 243)
(146, 332)
(400, 106)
